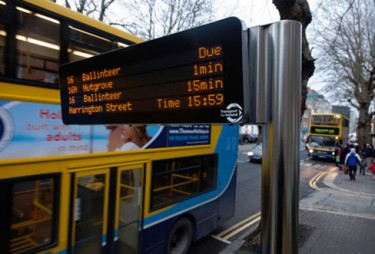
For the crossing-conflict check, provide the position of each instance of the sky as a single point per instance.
(252, 12)
(260, 12)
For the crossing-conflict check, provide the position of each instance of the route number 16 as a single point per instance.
(70, 80)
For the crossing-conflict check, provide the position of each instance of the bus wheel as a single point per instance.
(180, 237)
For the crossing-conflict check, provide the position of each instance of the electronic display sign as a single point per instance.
(194, 76)
(325, 130)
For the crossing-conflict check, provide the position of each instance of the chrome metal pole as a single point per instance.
(277, 50)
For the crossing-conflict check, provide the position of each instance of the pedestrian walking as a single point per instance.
(368, 154)
(337, 157)
(372, 169)
(363, 166)
(342, 155)
(356, 147)
(352, 160)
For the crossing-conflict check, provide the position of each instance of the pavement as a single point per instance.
(338, 217)
(341, 214)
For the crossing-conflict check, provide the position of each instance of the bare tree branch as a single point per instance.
(347, 57)
(155, 18)
(94, 8)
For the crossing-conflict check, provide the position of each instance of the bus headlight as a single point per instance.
(311, 151)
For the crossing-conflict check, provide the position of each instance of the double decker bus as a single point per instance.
(96, 189)
(327, 132)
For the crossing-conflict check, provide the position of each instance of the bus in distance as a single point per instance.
(103, 188)
(327, 132)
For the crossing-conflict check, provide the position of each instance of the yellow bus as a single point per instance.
(96, 189)
(327, 132)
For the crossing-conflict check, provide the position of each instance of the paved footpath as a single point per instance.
(341, 215)
(337, 218)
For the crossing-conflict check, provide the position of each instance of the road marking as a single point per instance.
(225, 235)
(242, 161)
(315, 179)
(306, 164)
(319, 166)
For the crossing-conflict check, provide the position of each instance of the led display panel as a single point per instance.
(194, 76)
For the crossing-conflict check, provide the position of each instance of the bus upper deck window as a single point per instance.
(2, 40)
(84, 44)
(38, 46)
(2, 45)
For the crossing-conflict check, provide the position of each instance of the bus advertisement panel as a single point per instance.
(25, 126)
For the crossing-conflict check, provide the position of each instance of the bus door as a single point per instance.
(89, 214)
(129, 208)
(106, 213)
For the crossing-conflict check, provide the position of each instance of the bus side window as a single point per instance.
(174, 180)
(38, 47)
(32, 216)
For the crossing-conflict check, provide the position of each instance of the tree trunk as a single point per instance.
(364, 128)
